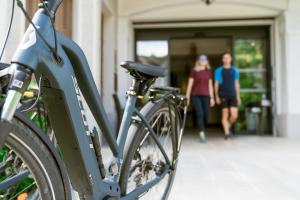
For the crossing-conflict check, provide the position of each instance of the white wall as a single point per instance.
(182, 9)
(109, 57)
(17, 28)
(125, 52)
(289, 83)
(87, 32)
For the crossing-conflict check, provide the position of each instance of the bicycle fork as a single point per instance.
(18, 84)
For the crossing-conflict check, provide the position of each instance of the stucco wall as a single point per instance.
(289, 31)
(109, 58)
(195, 9)
(87, 32)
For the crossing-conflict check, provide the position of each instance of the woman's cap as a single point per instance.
(203, 58)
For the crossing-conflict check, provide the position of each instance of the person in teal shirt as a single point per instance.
(227, 91)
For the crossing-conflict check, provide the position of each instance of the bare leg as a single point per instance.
(233, 115)
(225, 122)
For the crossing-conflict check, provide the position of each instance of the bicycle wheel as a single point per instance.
(143, 161)
(28, 169)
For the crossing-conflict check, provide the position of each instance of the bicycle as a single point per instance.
(145, 153)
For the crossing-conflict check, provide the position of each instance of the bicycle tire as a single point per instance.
(136, 134)
(39, 159)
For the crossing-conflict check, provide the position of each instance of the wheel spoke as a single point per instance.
(16, 177)
(25, 189)
(4, 185)
(4, 165)
(151, 159)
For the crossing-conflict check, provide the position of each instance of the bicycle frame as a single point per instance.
(63, 101)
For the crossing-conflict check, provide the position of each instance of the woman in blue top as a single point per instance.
(227, 90)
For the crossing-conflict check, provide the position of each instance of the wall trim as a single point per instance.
(205, 23)
(252, 4)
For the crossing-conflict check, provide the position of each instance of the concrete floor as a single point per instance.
(245, 168)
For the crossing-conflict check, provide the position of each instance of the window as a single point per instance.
(250, 59)
(153, 52)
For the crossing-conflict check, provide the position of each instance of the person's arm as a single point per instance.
(211, 93)
(218, 100)
(237, 90)
(237, 86)
(189, 89)
(218, 78)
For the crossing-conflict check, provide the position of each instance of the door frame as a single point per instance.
(270, 22)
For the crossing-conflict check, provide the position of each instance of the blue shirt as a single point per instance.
(226, 79)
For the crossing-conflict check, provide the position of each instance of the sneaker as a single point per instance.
(227, 136)
(232, 129)
(202, 137)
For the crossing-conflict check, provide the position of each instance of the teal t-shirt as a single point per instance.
(226, 78)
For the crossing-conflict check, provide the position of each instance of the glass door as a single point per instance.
(251, 59)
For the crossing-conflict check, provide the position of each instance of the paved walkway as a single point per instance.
(245, 168)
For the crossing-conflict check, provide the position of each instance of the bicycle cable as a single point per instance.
(52, 23)
(8, 30)
(20, 5)
(37, 98)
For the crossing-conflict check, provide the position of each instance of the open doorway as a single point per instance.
(183, 54)
(250, 48)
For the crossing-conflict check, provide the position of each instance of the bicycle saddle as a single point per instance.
(149, 70)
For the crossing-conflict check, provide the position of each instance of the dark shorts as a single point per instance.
(229, 101)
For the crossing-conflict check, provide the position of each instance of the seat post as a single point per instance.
(140, 86)
(127, 115)
(134, 88)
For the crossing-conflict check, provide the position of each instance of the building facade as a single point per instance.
(109, 32)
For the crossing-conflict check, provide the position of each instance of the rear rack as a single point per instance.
(165, 89)
(162, 92)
